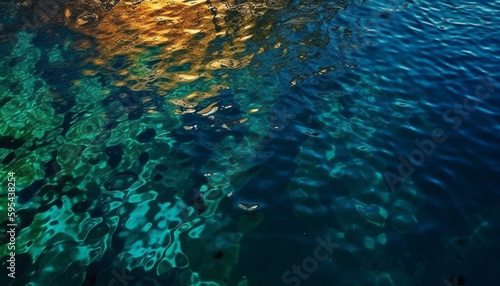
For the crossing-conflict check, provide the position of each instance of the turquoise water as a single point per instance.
(251, 143)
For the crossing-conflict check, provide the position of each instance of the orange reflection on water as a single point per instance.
(166, 43)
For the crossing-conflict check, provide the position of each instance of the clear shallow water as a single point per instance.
(145, 135)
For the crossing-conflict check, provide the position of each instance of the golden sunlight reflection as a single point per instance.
(166, 43)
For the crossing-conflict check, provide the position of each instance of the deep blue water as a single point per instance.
(213, 158)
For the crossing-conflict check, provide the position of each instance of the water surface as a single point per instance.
(230, 142)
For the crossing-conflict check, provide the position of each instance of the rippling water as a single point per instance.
(268, 142)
